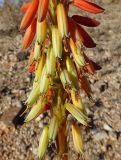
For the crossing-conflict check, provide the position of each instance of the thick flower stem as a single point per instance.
(62, 143)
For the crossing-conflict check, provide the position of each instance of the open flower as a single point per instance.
(60, 66)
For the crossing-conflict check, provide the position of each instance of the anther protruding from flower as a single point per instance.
(72, 73)
(44, 81)
(77, 54)
(39, 68)
(76, 99)
(65, 78)
(37, 51)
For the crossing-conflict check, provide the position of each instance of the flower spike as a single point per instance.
(60, 67)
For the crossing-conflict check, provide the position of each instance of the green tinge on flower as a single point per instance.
(65, 79)
(71, 67)
(77, 139)
(33, 96)
(77, 113)
(62, 20)
(56, 42)
(68, 80)
(43, 142)
(41, 31)
(39, 69)
(72, 72)
(50, 62)
(36, 110)
(52, 9)
(53, 127)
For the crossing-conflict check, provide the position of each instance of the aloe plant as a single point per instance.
(61, 66)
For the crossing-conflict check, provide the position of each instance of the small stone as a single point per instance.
(100, 136)
(101, 156)
(108, 147)
(21, 56)
(107, 127)
(3, 127)
(19, 104)
(103, 87)
(98, 103)
(117, 85)
(112, 136)
(8, 116)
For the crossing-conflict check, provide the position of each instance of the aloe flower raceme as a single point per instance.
(60, 67)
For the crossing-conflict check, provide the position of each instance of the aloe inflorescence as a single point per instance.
(60, 67)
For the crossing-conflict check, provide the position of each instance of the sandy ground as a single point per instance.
(103, 138)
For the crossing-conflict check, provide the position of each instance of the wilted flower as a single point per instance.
(60, 66)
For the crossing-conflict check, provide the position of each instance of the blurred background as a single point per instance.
(103, 138)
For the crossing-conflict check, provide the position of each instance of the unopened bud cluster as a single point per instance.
(59, 65)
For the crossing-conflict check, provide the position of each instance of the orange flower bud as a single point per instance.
(25, 7)
(29, 15)
(85, 21)
(88, 6)
(29, 35)
(42, 9)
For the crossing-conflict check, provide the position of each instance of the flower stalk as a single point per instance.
(60, 67)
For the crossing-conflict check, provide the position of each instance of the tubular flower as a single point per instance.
(61, 68)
